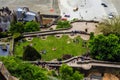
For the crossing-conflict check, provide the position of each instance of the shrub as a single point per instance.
(23, 71)
(59, 59)
(3, 34)
(67, 73)
(66, 56)
(63, 24)
(17, 36)
(31, 26)
(91, 35)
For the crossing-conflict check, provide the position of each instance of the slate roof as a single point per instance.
(29, 17)
(25, 15)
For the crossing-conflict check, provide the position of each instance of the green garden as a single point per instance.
(52, 47)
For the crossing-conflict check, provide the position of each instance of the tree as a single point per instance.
(91, 35)
(67, 73)
(24, 71)
(31, 72)
(63, 24)
(77, 76)
(3, 34)
(17, 27)
(17, 36)
(20, 27)
(31, 54)
(109, 26)
(105, 47)
(31, 26)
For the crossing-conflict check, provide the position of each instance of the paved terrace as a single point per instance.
(78, 27)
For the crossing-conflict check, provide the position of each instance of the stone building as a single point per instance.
(24, 14)
(5, 19)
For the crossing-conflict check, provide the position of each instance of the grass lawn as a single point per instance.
(54, 47)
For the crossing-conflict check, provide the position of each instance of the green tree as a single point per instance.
(91, 35)
(3, 34)
(31, 26)
(17, 36)
(16, 27)
(66, 73)
(77, 76)
(105, 47)
(31, 54)
(24, 71)
(109, 26)
(63, 24)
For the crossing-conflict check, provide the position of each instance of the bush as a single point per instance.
(66, 56)
(20, 27)
(3, 34)
(23, 71)
(52, 73)
(91, 35)
(63, 24)
(16, 27)
(59, 59)
(17, 36)
(31, 26)
(67, 73)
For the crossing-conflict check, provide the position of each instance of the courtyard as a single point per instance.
(52, 47)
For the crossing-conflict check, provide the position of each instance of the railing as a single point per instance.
(45, 31)
(85, 62)
(54, 33)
